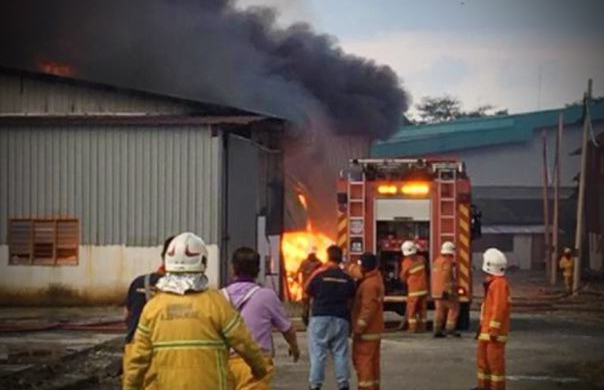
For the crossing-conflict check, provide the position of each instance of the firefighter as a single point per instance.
(185, 332)
(308, 266)
(494, 323)
(140, 291)
(368, 324)
(445, 295)
(567, 265)
(413, 274)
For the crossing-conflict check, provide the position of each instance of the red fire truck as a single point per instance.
(383, 202)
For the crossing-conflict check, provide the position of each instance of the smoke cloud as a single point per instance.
(209, 51)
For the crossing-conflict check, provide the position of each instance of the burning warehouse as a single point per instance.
(334, 103)
(93, 178)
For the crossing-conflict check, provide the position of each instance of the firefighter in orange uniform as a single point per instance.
(308, 266)
(413, 274)
(445, 295)
(567, 265)
(494, 323)
(368, 324)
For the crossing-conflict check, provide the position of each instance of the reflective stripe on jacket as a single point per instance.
(442, 277)
(495, 310)
(182, 342)
(413, 274)
(368, 307)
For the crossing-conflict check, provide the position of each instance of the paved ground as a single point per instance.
(545, 352)
(556, 344)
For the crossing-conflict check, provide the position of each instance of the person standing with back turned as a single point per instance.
(368, 324)
(331, 291)
(183, 338)
(261, 310)
(141, 290)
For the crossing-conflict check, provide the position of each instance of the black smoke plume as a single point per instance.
(206, 50)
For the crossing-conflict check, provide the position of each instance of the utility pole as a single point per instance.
(556, 222)
(581, 198)
(547, 255)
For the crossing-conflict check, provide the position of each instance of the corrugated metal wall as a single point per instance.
(127, 185)
(21, 94)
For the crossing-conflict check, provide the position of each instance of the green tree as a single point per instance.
(447, 108)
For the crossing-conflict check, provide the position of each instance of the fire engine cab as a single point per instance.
(383, 202)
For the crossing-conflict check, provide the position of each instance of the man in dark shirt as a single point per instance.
(140, 291)
(331, 291)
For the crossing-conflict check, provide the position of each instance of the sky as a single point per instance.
(520, 55)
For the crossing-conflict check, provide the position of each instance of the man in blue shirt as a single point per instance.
(331, 291)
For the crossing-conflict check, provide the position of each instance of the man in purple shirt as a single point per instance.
(262, 311)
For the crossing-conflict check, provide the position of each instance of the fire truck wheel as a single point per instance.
(463, 321)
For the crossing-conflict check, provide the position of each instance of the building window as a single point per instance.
(43, 241)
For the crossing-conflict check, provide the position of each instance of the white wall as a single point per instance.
(520, 257)
(522, 251)
(521, 164)
(102, 275)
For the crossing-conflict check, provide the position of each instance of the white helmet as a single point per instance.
(448, 248)
(409, 248)
(494, 262)
(186, 253)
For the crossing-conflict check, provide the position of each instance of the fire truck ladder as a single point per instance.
(447, 204)
(356, 214)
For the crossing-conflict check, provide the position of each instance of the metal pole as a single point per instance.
(546, 233)
(556, 222)
(581, 197)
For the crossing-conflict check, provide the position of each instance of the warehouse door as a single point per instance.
(242, 195)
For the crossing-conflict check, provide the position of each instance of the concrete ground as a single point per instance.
(545, 352)
(556, 343)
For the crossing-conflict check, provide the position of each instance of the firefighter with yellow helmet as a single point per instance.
(185, 332)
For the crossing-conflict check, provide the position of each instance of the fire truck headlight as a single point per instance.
(387, 190)
(415, 189)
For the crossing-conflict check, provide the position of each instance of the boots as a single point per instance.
(454, 333)
(438, 330)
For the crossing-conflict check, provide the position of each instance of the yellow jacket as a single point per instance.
(182, 343)
(567, 265)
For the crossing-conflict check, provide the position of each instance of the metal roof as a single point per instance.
(186, 106)
(514, 229)
(438, 138)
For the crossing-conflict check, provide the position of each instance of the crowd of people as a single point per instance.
(184, 335)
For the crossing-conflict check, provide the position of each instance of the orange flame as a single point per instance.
(56, 69)
(302, 200)
(295, 247)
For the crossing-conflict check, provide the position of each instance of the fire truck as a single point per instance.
(383, 202)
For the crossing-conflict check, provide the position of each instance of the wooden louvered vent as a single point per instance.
(44, 241)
